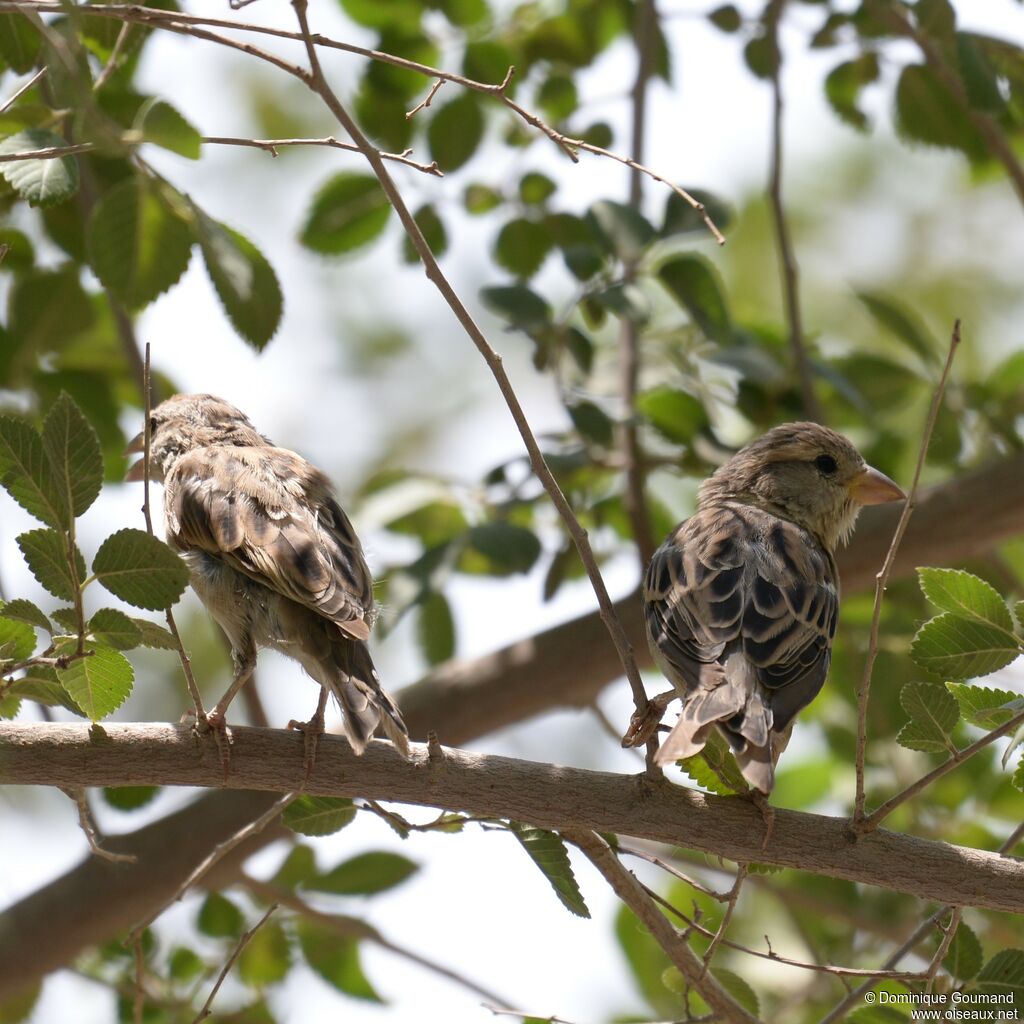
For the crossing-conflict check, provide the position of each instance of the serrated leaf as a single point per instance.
(20, 42)
(318, 815)
(129, 798)
(99, 683)
(220, 917)
(738, 988)
(1004, 975)
(547, 850)
(39, 182)
(964, 957)
(45, 553)
(959, 648)
(138, 246)
(41, 685)
(115, 629)
(435, 628)
(933, 714)
(335, 959)
(244, 281)
(1018, 776)
(162, 125)
(73, 449)
(17, 639)
(715, 768)
(26, 474)
(349, 211)
(966, 595)
(152, 635)
(66, 618)
(139, 569)
(365, 874)
(25, 611)
(983, 706)
(693, 283)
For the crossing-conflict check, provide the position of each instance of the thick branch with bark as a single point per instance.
(546, 795)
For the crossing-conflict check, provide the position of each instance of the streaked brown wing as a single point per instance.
(270, 514)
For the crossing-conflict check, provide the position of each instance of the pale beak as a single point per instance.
(136, 446)
(870, 487)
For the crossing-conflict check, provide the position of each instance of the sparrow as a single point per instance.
(270, 554)
(741, 599)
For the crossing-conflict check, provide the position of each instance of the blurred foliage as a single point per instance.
(92, 236)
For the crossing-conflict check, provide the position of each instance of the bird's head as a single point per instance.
(184, 423)
(806, 473)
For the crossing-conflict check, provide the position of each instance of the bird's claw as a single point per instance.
(311, 733)
(767, 812)
(215, 723)
(644, 723)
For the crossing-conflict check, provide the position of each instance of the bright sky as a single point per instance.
(478, 904)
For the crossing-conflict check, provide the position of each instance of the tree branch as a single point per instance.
(546, 795)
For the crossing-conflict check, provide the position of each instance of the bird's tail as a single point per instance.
(366, 705)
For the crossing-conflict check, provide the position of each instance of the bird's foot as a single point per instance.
(311, 733)
(644, 724)
(767, 812)
(214, 722)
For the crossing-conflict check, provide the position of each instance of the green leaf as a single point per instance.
(20, 42)
(335, 959)
(152, 635)
(843, 86)
(349, 211)
(434, 523)
(952, 590)
(99, 683)
(547, 850)
(40, 182)
(162, 125)
(129, 798)
(138, 245)
(681, 218)
(73, 449)
(964, 957)
(726, 18)
(245, 282)
(521, 307)
(26, 474)
(478, 199)
(365, 875)
(1018, 776)
(715, 768)
(220, 918)
(505, 548)
(115, 629)
(21, 255)
(900, 323)
(41, 685)
(266, 958)
(136, 567)
(592, 422)
(926, 111)
(455, 131)
(933, 713)
(25, 611)
(674, 413)
(434, 233)
(17, 640)
(535, 188)
(435, 628)
(48, 307)
(983, 706)
(623, 231)
(1004, 975)
(693, 283)
(738, 988)
(959, 648)
(45, 552)
(296, 869)
(522, 246)
(318, 815)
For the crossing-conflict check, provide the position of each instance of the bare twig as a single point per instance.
(940, 954)
(789, 271)
(8, 103)
(89, 828)
(317, 82)
(632, 893)
(426, 101)
(730, 907)
(500, 1011)
(47, 153)
(115, 55)
(630, 851)
(243, 941)
(271, 146)
(864, 690)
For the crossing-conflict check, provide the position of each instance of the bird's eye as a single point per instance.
(826, 464)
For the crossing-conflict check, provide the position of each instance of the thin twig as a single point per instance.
(631, 851)
(115, 55)
(215, 855)
(317, 83)
(426, 101)
(91, 834)
(633, 894)
(789, 271)
(47, 153)
(139, 1002)
(272, 145)
(864, 690)
(730, 907)
(940, 954)
(243, 941)
(503, 1011)
(25, 88)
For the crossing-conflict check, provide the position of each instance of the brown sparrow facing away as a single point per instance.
(741, 599)
(271, 554)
